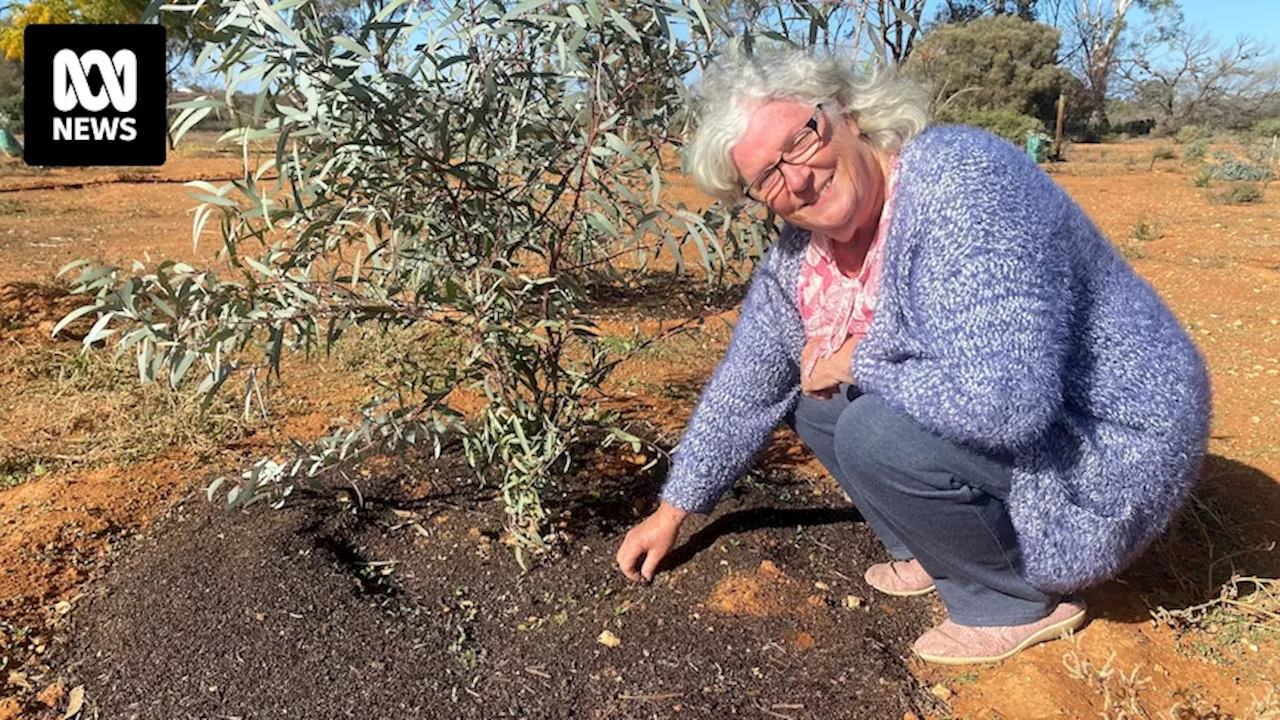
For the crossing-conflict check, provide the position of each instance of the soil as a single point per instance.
(148, 615)
(413, 608)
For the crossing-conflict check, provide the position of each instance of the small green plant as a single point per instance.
(1240, 171)
(1195, 151)
(1204, 178)
(1189, 134)
(1132, 252)
(1145, 230)
(1247, 194)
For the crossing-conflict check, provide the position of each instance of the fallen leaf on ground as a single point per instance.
(74, 703)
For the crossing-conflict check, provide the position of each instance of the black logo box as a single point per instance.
(149, 119)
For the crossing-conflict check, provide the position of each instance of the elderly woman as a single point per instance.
(1010, 407)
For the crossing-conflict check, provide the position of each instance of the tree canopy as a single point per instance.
(995, 62)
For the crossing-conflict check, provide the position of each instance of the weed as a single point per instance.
(1195, 151)
(1163, 152)
(1245, 614)
(1146, 231)
(1204, 178)
(91, 409)
(1237, 195)
(1119, 690)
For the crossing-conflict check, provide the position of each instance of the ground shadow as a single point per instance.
(25, 304)
(660, 295)
(1227, 528)
(745, 521)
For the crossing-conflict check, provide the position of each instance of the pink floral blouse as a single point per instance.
(833, 305)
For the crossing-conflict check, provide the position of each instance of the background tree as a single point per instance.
(1183, 76)
(996, 62)
(1095, 37)
(11, 91)
(183, 29)
(961, 11)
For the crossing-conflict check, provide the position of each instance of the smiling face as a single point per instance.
(837, 192)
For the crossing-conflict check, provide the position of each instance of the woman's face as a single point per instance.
(836, 191)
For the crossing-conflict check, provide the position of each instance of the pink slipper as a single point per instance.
(903, 578)
(952, 644)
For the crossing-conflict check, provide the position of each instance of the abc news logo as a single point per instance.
(95, 95)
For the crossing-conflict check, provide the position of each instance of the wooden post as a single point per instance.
(1057, 133)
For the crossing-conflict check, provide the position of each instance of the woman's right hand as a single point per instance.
(651, 540)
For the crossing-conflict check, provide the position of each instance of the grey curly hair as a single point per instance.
(889, 110)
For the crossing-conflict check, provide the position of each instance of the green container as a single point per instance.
(1037, 148)
(9, 144)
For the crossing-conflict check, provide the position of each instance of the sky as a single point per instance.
(1228, 18)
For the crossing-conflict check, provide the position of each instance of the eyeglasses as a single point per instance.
(802, 148)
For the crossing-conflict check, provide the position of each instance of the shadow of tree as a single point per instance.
(660, 295)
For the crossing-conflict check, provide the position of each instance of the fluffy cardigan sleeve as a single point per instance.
(985, 292)
(755, 385)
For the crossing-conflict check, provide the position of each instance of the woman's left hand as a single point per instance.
(829, 372)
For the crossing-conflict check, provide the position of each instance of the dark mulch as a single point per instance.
(279, 613)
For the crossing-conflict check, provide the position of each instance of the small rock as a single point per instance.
(52, 696)
(942, 692)
(853, 602)
(608, 639)
(816, 601)
(62, 608)
(768, 568)
(822, 586)
(805, 641)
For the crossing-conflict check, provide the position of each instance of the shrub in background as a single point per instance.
(1241, 171)
(1245, 194)
(1267, 129)
(1195, 152)
(1008, 124)
(1189, 134)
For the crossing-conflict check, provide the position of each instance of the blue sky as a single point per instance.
(1228, 18)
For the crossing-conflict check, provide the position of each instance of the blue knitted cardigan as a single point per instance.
(1006, 322)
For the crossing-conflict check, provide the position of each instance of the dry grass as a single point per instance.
(87, 409)
(1119, 690)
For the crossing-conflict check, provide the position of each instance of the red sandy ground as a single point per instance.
(1218, 266)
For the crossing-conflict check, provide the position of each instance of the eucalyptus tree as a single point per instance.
(465, 168)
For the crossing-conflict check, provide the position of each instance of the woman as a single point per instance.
(1012, 409)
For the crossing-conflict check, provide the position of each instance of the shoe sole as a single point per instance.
(1052, 632)
(905, 593)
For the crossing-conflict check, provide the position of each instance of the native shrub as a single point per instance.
(1267, 129)
(1008, 124)
(1196, 150)
(465, 168)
